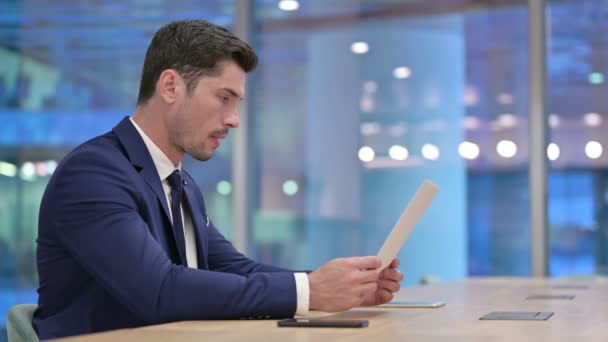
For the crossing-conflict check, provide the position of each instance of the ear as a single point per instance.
(169, 86)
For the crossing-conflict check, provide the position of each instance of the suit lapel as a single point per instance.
(140, 158)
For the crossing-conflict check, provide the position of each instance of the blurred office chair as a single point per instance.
(19, 323)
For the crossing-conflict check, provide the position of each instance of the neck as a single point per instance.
(154, 125)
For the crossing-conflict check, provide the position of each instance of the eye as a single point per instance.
(225, 99)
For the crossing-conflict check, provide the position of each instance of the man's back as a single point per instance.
(75, 297)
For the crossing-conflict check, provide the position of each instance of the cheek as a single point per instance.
(189, 116)
(183, 124)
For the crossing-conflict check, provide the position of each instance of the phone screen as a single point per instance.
(322, 323)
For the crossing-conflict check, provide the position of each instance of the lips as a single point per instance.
(215, 142)
(215, 139)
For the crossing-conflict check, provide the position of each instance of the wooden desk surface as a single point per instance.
(584, 317)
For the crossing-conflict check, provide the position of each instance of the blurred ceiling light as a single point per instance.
(28, 171)
(553, 151)
(367, 104)
(504, 98)
(370, 86)
(554, 120)
(290, 187)
(370, 128)
(359, 48)
(398, 152)
(8, 169)
(506, 148)
(366, 154)
(430, 151)
(402, 72)
(468, 150)
(470, 96)
(41, 169)
(51, 166)
(593, 149)
(224, 188)
(289, 5)
(592, 119)
(471, 122)
(596, 78)
(507, 120)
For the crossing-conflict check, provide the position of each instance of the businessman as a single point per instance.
(124, 238)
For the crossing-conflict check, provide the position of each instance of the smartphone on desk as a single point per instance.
(322, 323)
(413, 304)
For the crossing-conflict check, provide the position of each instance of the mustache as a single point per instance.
(220, 132)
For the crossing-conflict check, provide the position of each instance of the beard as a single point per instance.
(199, 153)
(187, 137)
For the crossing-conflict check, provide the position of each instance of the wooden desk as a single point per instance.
(586, 317)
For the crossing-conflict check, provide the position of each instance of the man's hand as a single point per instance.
(343, 283)
(388, 283)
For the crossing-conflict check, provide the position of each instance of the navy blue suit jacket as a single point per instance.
(107, 257)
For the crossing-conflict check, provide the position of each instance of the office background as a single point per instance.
(354, 104)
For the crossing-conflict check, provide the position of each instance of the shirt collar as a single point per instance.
(163, 164)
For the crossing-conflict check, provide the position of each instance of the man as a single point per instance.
(124, 237)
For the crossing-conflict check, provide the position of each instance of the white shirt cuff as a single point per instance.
(303, 292)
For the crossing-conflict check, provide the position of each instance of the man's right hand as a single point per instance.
(342, 284)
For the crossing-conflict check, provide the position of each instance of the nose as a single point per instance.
(232, 120)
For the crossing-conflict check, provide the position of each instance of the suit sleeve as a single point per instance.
(94, 210)
(224, 257)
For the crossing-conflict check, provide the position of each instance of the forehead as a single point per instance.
(231, 78)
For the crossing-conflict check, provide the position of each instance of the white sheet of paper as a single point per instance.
(406, 223)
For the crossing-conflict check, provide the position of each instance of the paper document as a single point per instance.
(411, 215)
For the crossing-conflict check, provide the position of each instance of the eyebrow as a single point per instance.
(233, 93)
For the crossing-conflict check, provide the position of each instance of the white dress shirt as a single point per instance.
(165, 167)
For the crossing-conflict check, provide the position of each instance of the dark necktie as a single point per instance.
(175, 181)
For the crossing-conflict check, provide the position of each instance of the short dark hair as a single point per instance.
(192, 48)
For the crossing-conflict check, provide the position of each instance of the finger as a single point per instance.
(384, 296)
(368, 288)
(386, 273)
(391, 286)
(391, 274)
(366, 276)
(365, 263)
(395, 263)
